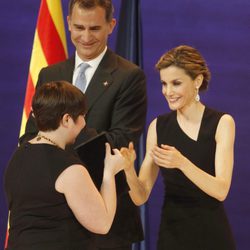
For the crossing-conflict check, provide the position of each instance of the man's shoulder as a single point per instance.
(120, 61)
(58, 66)
(59, 71)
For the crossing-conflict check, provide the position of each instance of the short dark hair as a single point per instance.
(55, 99)
(188, 59)
(89, 4)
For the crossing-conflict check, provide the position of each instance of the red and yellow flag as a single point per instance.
(49, 47)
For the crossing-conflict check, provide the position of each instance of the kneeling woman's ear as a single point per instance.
(66, 119)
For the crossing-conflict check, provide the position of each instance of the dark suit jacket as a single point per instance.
(117, 103)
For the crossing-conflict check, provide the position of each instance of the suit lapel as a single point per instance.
(67, 69)
(102, 79)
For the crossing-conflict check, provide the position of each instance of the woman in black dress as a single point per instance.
(52, 200)
(193, 147)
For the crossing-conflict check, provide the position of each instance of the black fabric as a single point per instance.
(39, 215)
(191, 219)
(119, 108)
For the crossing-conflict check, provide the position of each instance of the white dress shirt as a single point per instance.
(94, 63)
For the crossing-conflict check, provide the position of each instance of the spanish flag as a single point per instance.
(129, 45)
(49, 47)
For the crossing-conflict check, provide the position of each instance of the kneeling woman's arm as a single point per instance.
(93, 209)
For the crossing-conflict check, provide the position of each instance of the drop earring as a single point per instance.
(197, 97)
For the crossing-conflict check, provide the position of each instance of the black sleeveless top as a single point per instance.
(191, 219)
(39, 215)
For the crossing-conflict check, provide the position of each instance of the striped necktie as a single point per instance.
(81, 80)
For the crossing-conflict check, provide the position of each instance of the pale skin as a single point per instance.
(89, 31)
(179, 90)
(93, 209)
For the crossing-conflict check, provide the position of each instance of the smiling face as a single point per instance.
(178, 87)
(89, 31)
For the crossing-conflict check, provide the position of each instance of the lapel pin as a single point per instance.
(105, 84)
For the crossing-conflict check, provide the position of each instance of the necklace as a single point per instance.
(40, 136)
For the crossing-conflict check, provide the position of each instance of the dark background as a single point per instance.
(220, 30)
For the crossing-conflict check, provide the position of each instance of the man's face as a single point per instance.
(89, 31)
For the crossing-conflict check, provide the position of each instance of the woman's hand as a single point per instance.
(129, 156)
(168, 157)
(115, 162)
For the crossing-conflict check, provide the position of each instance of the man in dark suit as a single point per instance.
(116, 100)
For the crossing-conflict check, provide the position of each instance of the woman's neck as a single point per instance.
(192, 113)
(51, 137)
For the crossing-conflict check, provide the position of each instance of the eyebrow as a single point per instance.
(173, 81)
(82, 26)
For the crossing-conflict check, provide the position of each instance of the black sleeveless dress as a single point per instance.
(191, 219)
(40, 218)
